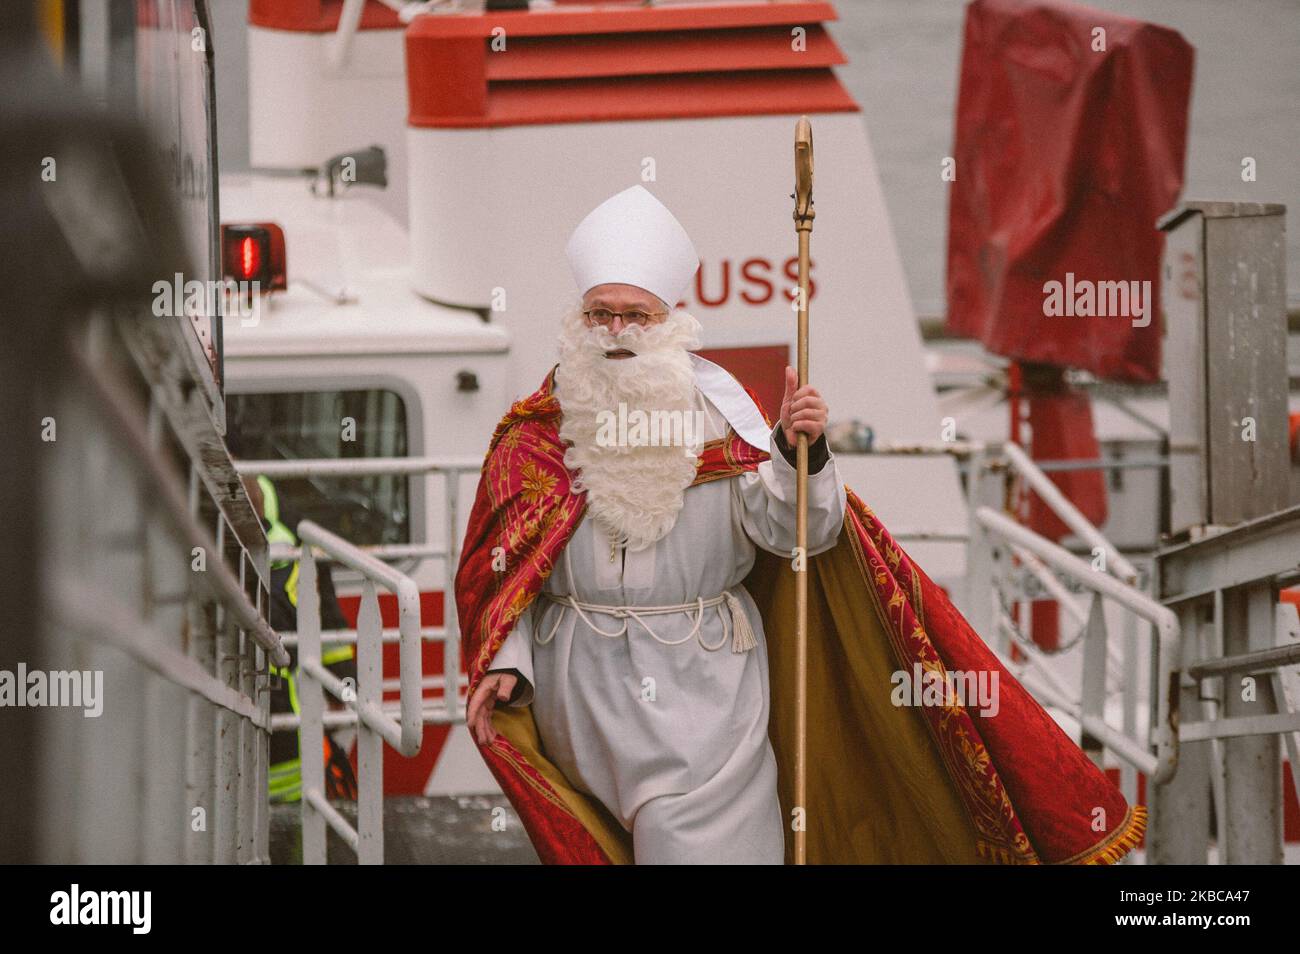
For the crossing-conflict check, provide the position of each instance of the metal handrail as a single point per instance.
(384, 551)
(389, 634)
(403, 735)
(1115, 740)
(963, 450)
(1165, 622)
(1029, 470)
(1051, 583)
(374, 725)
(1069, 514)
(357, 466)
(122, 413)
(450, 468)
(1119, 583)
(202, 632)
(1036, 477)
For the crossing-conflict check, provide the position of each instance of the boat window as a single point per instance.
(316, 425)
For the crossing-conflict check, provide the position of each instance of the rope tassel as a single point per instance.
(742, 634)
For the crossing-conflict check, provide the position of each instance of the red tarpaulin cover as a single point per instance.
(1065, 157)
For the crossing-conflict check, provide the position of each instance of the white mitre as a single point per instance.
(632, 239)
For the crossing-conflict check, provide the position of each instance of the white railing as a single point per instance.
(1070, 515)
(1115, 578)
(375, 726)
(1088, 711)
(444, 707)
(451, 469)
(413, 709)
(359, 466)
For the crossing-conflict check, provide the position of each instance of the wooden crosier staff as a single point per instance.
(803, 223)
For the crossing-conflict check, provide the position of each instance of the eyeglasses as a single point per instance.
(603, 316)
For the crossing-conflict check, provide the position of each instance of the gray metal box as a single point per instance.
(1224, 299)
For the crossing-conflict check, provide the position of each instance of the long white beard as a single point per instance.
(634, 493)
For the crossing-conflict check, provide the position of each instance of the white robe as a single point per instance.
(672, 739)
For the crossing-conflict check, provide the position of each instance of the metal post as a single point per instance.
(200, 741)
(1286, 685)
(984, 489)
(450, 616)
(225, 831)
(1225, 305)
(1093, 699)
(1210, 694)
(158, 842)
(311, 735)
(1128, 774)
(262, 846)
(370, 745)
(1224, 302)
(262, 741)
(249, 797)
(1180, 808)
(1251, 765)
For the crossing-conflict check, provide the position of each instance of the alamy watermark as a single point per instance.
(75, 906)
(58, 687)
(972, 689)
(179, 298)
(1089, 299)
(640, 428)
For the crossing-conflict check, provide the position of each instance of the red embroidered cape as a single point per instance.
(1012, 788)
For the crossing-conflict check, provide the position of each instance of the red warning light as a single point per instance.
(254, 252)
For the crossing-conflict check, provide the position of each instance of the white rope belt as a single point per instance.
(737, 628)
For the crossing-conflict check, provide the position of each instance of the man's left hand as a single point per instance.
(802, 410)
(495, 687)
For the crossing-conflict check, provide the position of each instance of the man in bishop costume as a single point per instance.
(626, 597)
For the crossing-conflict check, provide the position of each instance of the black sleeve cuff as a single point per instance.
(819, 451)
(520, 682)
